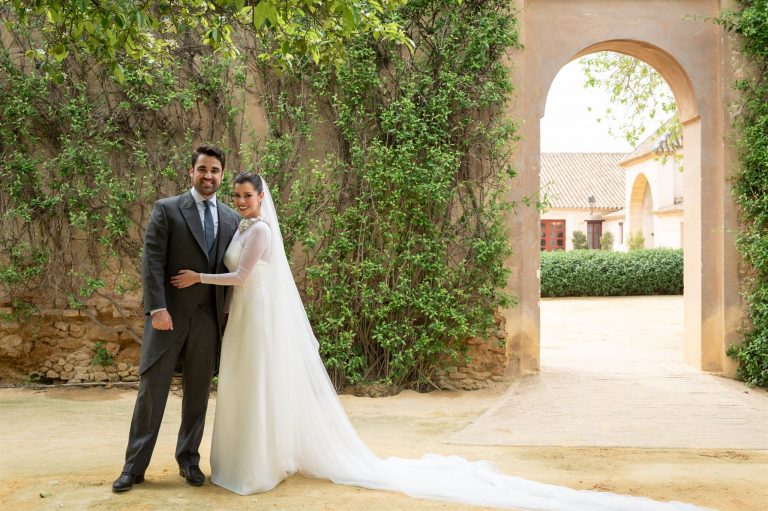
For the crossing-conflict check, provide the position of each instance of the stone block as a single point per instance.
(456, 375)
(70, 313)
(131, 378)
(9, 327)
(126, 337)
(49, 312)
(122, 366)
(76, 330)
(14, 346)
(61, 326)
(100, 333)
(52, 375)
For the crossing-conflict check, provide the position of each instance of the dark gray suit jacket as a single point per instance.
(175, 240)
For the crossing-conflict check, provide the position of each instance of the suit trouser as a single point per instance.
(196, 346)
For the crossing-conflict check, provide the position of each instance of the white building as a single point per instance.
(578, 190)
(613, 192)
(654, 193)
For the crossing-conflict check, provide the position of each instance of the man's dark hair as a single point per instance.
(208, 150)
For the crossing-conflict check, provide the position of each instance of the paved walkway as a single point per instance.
(613, 375)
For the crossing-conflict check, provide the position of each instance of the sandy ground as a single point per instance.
(61, 449)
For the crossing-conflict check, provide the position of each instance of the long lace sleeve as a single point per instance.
(255, 248)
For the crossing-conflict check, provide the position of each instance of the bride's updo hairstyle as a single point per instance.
(250, 177)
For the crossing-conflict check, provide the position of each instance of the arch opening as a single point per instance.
(641, 202)
(641, 211)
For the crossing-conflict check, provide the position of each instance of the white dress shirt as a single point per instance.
(201, 209)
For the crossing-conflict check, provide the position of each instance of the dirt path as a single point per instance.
(61, 449)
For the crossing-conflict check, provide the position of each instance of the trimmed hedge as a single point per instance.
(600, 273)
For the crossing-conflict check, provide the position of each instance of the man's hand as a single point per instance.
(161, 320)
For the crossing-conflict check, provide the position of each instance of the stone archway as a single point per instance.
(687, 50)
(641, 210)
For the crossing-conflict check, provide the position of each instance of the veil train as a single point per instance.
(325, 445)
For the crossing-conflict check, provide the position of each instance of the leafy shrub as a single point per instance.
(579, 240)
(603, 273)
(102, 357)
(403, 227)
(636, 241)
(606, 241)
(750, 186)
(397, 233)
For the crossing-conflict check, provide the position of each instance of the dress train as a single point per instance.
(277, 411)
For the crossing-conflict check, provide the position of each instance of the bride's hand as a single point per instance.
(185, 278)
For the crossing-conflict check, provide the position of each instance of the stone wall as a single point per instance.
(488, 360)
(65, 346)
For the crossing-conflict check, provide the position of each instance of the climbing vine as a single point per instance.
(398, 228)
(750, 185)
(390, 172)
(82, 161)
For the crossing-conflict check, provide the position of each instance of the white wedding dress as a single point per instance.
(277, 412)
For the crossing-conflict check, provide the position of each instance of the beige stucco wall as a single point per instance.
(695, 57)
(668, 231)
(699, 62)
(657, 180)
(616, 225)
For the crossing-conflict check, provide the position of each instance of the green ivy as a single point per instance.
(83, 158)
(750, 186)
(398, 230)
(390, 172)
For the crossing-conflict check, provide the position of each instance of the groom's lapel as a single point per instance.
(191, 214)
(226, 231)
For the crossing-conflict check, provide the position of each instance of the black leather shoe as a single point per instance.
(192, 474)
(126, 481)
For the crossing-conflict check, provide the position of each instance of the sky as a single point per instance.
(568, 125)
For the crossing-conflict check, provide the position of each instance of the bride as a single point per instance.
(277, 412)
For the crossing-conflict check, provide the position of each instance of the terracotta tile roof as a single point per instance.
(568, 179)
(619, 214)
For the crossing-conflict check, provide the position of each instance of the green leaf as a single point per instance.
(260, 13)
(119, 74)
(60, 52)
(349, 18)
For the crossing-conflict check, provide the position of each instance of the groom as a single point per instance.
(191, 230)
